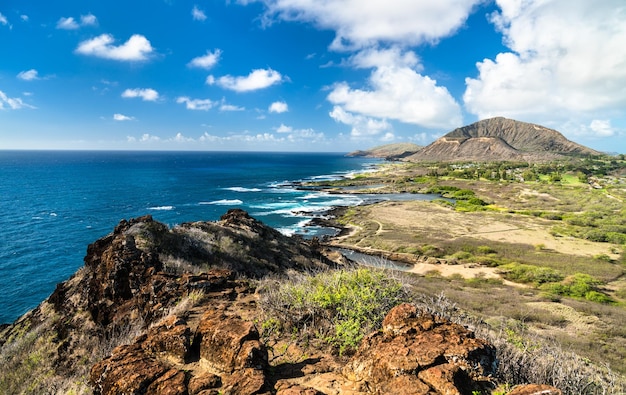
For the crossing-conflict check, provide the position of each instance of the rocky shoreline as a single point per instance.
(175, 311)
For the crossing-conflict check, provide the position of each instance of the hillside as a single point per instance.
(388, 151)
(191, 310)
(500, 139)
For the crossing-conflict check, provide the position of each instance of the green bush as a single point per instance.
(530, 274)
(340, 306)
(579, 285)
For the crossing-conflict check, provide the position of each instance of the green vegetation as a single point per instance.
(339, 307)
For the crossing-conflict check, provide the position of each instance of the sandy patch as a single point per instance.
(577, 322)
(423, 217)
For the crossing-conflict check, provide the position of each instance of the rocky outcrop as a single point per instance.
(174, 311)
(417, 353)
(500, 139)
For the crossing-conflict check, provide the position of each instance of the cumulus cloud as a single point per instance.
(361, 126)
(359, 24)
(13, 103)
(67, 24)
(206, 61)
(397, 91)
(28, 75)
(70, 23)
(137, 48)
(198, 14)
(602, 127)
(257, 79)
(278, 107)
(88, 20)
(145, 94)
(284, 129)
(196, 104)
(3, 20)
(566, 62)
(122, 117)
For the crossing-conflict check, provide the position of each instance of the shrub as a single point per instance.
(340, 307)
(579, 285)
(530, 274)
(485, 250)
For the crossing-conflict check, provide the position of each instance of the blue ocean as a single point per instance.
(54, 203)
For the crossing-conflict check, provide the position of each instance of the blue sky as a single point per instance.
(305, 75)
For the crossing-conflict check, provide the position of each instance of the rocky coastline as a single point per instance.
(175, 311)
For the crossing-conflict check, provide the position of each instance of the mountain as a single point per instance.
(501, 139)
(388, 151)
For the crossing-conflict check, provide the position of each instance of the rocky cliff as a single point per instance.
(501, 139)
(174, 311)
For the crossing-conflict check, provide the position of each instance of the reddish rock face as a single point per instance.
(430, 353)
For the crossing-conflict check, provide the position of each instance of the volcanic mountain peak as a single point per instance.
(500, 138)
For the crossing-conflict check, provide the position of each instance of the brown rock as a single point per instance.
(421, 346)
(129, 370)
(446, 379)
(173, 382)
(230, 343)
(298, 390)
(206, 381)
(245, 381)
(172, 335)
(535, 389)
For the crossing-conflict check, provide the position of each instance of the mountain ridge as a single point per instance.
(493, 139)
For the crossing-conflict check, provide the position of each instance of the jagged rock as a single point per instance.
(172, 336)
(439, 354)
(129, 370)
(203, 382)
(230, 343)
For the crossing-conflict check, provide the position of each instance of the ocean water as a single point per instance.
(54, 203)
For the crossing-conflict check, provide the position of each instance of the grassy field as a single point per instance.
(541, 253)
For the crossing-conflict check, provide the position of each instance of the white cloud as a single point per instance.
(13, 103)
(206, 61)
(122, 117)
(359, 24)
(602, 127)
(88, 20)
(284, 129)
(145, 94)
(137, 48)
(67, 24)
(278, 107)
(398, 92)
(3, 20)
(70, 23)
(24, 17)
(196, 104)
(231, 107)
(257, 79)
(361, 126)
(566, 64)
(28, 75)
(198, 14)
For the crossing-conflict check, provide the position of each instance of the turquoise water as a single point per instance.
(53, 204)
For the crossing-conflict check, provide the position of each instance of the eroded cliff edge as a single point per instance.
(175, 311)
